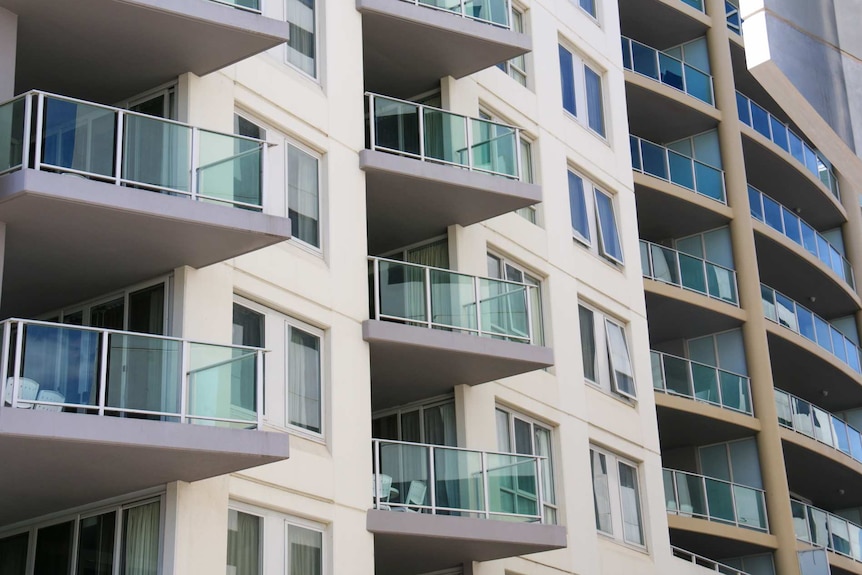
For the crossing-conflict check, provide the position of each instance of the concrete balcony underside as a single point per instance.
(93, 237)
(54, 461)
(838, 564)
(661, 23)
(408, 48)
(799, 275)
(777, 174)
(410, 543)
(684, 422)
(409, 200)
(676, 313)
(714, 539)
(660, 113)
(835, 471)
(409, 363)
(803, 368)
(666, 210)
(157, 39)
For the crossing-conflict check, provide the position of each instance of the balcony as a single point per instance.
(679, 269)
(409, 45)
(94, 198)
(663, 22)
(823, 529)
(437, 507)
(705, 562)
(427, 169)
(160, 409)
(671, 166)
(158, 40)
(700, 382)
(670, 71)
(432, 329)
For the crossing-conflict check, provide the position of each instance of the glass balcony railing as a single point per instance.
(705, 562)
(671, 166)
(701, 382)
(450, 481)
(779, 133)
(808, 419)
(688, 272)
(442, 299)
(74, 369)
(696, 4)
(245, 5)
(58, 134)
(799, 319)
(435, 135)
(784, 221)
(693, 495)
(828, 530)
(494, 12)
(666, 69)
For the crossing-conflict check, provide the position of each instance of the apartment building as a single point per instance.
(324, 287)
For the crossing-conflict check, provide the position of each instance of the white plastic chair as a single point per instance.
(52, 396)
(385, 488)
(27, 390)
(415, 495)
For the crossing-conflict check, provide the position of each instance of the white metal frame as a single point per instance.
(678, 269)
(595, 242)
(601, 359)
(689, 363)
(579, 64)
(462, 12)
(627, 45)
(613, 462)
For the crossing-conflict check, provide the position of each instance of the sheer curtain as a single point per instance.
(13, 554)
(434, 254)
(302, 195)
(141, 540)
(305, 551)
(440, 429)
(303, 368)
(300, 48)
(243, 543)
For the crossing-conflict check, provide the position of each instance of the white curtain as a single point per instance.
(141, 540)
(300, 48)
(302, 194)
(304, 551)
(243, 544)
(303, 368)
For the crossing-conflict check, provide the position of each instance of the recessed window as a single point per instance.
(589, 6)
(583, 92)
(616, 497)
(302, 46)
(292, 546)
(594, 220)
(605, 353)
(303, 195)
(516, 68)
(504, 269)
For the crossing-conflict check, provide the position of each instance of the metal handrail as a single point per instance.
(629, 52)
(705, 264)
(463, 12)
(428, 320)
(382, 501)
(708, 513)
(828, 530)
(691, 380)
(706, 562)
(239, 6)
(832, 430)
(11, 363)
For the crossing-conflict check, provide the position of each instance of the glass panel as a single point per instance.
(144, 374)
(567, 81)
(734, 391)
(601, 492)
(708, 181)
(720, 500)
(855, 444)
(767, 296)
(578, 207)
(772, 214)
(698, 84)
(664, 261)
(755, 202)
(840, 535)
(809, 238)
(795, 144)
(786, 309)
(750, 511)
(817, 527)
(157, 153)
(595, 101)
(721, 283)
(791, 225)
(496, 11)
(822, 426)
(512, 485)
(838, 345)
(802, 416)
(806, 323)
(855, 541)
(822, 248)
(742, 109)
(824, 334)
(839, 429)
(671, 71)
(622, 373)
(302, 45)
(693, 273)
(222, 383)
(11, 134)
(810, 158)
(458, 482)
(396, 126)
(608, 234)
(800, 520)
(303, 201)
(304, 551)
(402, 291)
(657, 376)
(588, 343)
(229, 169)
(303, 380)
(96, 544)
(779, 133)
(760, 120)
(677, 377)
(54, 549)
(79, 137)
(705, 383)
(681, 170)
(634, 148)
(644, 60)
(13, 554)
(141, 537)
(243, 543)
(504, 308)
(692, 498)
(493, 148)
(782, 404)
(453, 300)
(654, 160)
(631, 506)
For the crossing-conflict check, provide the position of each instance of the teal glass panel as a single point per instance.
(157, 153)
(79, 137)
(402, 291)
(705, 383)
(144, 373)
(11, 134)
(677, 377)
(698, 84)
(453, 300)
(709, 181)
(681, 170)
(229, 168)
(504, 308)
(494, 148)
(445, 137)
(693, 274)
(222, 385)
(720, 500)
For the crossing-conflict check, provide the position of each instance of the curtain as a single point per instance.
(436, 255)
(302, 195)
(305, 551)
(304, 380)
(440, 429)
(300, 47)
(13, 554)
(243, 543)
(141, 540)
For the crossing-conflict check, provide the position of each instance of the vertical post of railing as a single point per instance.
(529, 309)
(694, 174)
(194, 163)
(4, 367)
(463, 10)
(264, 149)
(666, 154)
(420, 111)
(674, 483)
(486, 484)
(377, 482)
(650, 262)
(684, 76)
(432, 480)
(706, 278)
(469, 131)
(540, 491)
(518, 158)
(40, 110)
(186, 375)
(657, 66)
(718, 385)
(259, 379)
(103, 370)
(376, 280)
(663, 372)
(690, 372)
(476, 293)
(28, 126)
(16, 375)
(428, 309)
(509, 15)
(118, 145)
(678, 268)
(733, 502)
(702, 480)
(372, 143)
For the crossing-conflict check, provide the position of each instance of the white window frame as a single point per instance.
(581, 115)
(273, 522)
(288, 143)
(607, 380)
(615, 497)
(276, 368)
(518, 14)
(414, 407)
(512, 415)
(596, 241)
(592, 16)
(529, 278)
(317, 64)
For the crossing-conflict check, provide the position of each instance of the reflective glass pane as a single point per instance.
(453, 300)
(721, 283)
(839, 429)
(512, 484)
(396, 125)
(671, 71)
(681, 170)
(677, 378)
(755, 204)
(608, 233)
(79, 137)
(644, 60)
(402, 291)
(446, 138)
(806, 323)
(578, 207)
(222, 383)
(795, 144)
(823, 426)
(96, 544)
(705, 383)
(656, 364)
(750, 511)
(504, 308)
(786, 309)
(742, 109)
(692, 273)
(458, 483)
(720, 500)
(791, 225)
(11, 134)
(800, 520)
(402, 466)
(157, 153)
(809, 238)
(734, 392)
(144, 374)
(779, 133)
(664, 261)
(782, 404)
(855, 444)
(631, 507)
(839, 535)
(824, 334)
(760, 120)
(654, 161)
(493, 148)
(709, 181)
(635, 147)
(838, 347)
(802, 417)
(772, 214)
(767, 296)
(698, 84)
(817, 527)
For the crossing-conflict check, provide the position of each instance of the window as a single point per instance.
(519, 434)
(583, 95)
(594, 216)
(430, 422)
(501, 268)
(605, 353)
(589, 6)
(303, 196)
(517, 66)
(296, 358)
(616, 497)
(302, 46)
(530, 213)
(302, 552)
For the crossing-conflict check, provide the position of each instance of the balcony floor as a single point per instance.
(410, 543)
(54, 461)
(92, 237)
(158, 40)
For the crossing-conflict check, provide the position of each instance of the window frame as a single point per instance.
(595, 13)
(581, 101)
(527, 277)
(511, 69)
(318, 158)
(315, 77)
(418, 407)
(603, 365)
(615, 497)
(595, 239)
